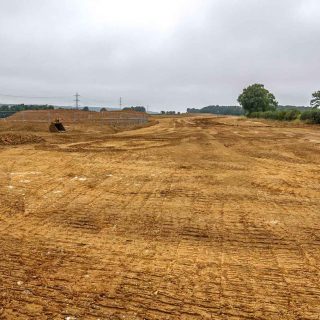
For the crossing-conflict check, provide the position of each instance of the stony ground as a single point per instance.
(193, 218)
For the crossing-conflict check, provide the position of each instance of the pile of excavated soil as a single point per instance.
(16, 139)
(75, 116)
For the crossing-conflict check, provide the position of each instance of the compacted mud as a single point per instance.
(192, 218)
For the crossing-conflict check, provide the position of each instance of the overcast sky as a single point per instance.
(168, 54)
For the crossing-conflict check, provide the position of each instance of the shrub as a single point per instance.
(312, 116)
(291, 115)
(281, 115)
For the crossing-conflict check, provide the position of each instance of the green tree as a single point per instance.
(138, 108)
(315, 101)
(85, 109)
(103, 110)
(256, 98)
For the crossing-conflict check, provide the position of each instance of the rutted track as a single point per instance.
(194, 218)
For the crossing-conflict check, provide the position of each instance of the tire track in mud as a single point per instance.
(197, 229)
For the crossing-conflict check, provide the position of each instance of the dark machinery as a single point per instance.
(56, 126)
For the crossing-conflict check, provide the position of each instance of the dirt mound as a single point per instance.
(75, 116)
(16, 139)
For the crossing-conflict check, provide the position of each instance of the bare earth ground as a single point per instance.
(193, 218)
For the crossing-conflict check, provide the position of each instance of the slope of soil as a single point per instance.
(193, 218)
(74, 116)
(15, 139)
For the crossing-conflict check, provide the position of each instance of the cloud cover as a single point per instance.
(165, 54)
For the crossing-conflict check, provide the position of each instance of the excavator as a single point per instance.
(56, 126)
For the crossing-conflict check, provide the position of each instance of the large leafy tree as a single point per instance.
(256, 98)
(315, 101)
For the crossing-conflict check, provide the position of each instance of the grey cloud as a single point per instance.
(55, 48)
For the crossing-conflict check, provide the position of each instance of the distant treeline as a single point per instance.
(7, 110)
(238, 111)
(288, 107)
(223, 110)
(310, 115)
(138, 108)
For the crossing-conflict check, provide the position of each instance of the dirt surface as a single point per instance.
(14, 139)
(192, 218)
(75, 116)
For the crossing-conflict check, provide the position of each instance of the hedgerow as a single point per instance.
(311, 116)
(281, 115)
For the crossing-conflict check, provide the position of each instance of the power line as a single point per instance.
(77, 95)
(99, 101)
(67, 98)
(90, 99)
(29, 97)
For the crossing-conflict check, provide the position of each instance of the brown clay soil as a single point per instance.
(74, 116)
(14, 139)
(192, 218)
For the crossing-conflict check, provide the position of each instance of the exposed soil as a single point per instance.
(74, 116)
(192, 218)
(14, 139)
